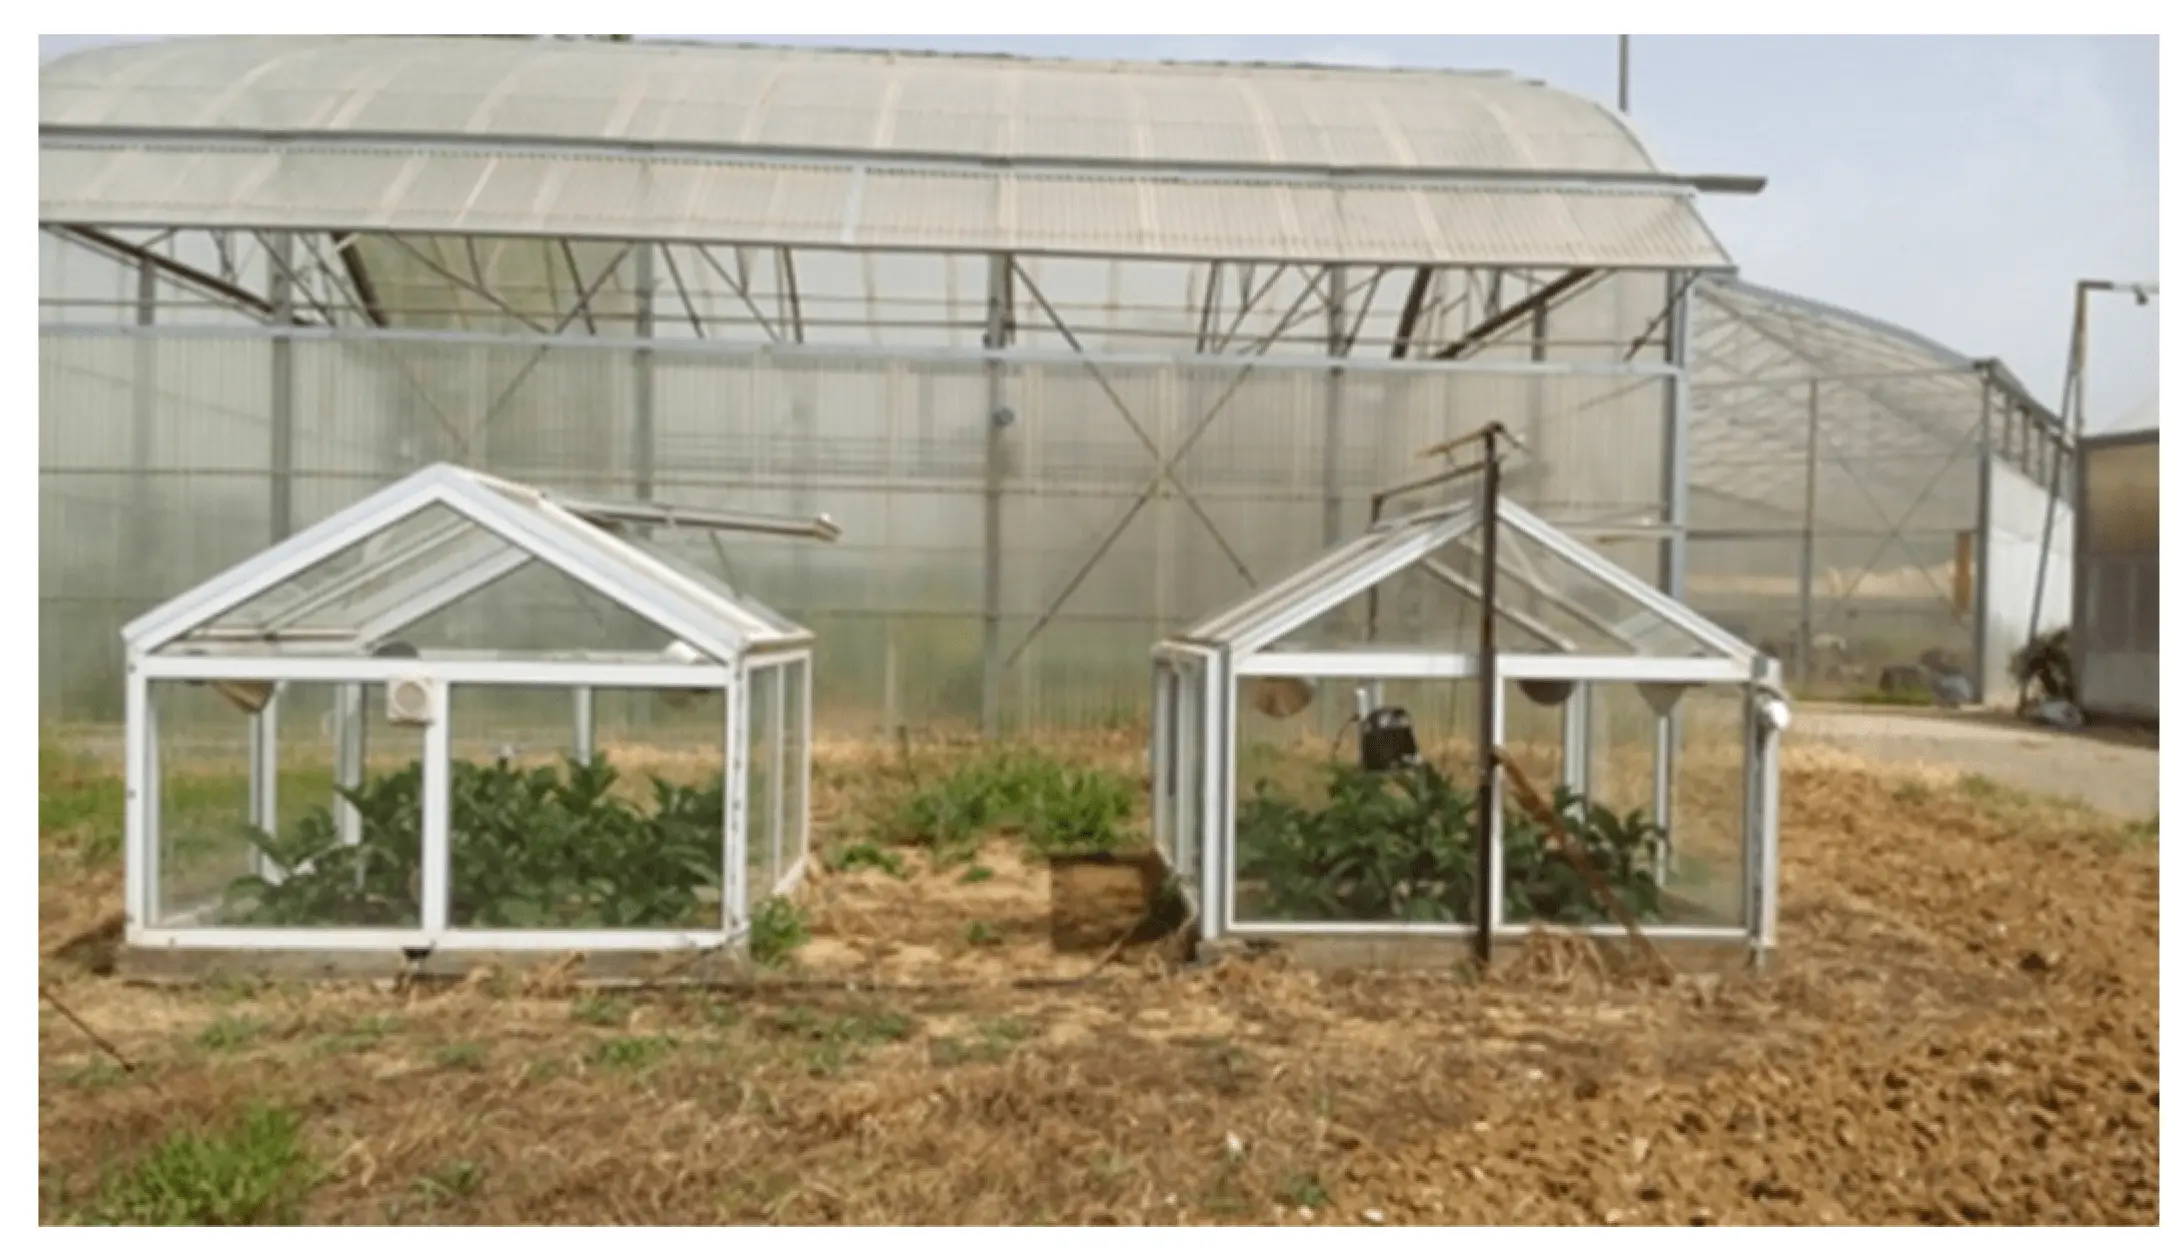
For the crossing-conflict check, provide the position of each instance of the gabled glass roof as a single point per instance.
(1556, 596)
(446, 533)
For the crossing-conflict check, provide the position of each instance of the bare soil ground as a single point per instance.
(2115, 770)
(1963, 1029)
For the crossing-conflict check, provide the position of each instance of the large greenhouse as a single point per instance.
(1073, 353)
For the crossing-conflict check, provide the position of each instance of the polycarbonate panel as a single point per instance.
(774, 96)
(809, 205)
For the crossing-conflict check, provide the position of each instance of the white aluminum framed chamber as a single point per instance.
(1613, 695)
(343, 744)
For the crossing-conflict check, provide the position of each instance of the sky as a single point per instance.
(1956, 186)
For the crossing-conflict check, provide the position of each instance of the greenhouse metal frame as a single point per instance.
(293, 613)
(1076, 350)
(1875, 485)
(1657, 642)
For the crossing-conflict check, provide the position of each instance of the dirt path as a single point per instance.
(2114, 775)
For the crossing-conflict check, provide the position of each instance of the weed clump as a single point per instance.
(778, 928)
(1059, 808)
(255, 1173)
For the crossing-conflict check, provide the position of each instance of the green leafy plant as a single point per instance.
(540, 848)
(981, 933)
(777, 929)
(1058, 807)
(1401, 845)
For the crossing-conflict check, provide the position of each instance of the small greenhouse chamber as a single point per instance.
(467, 715)
(1316, 747)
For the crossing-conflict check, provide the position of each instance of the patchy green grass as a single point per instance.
(631, 1053)
(460, 1056)
(979, 932)
(2025, 811)
(445, 1185)
(97, 1072)
(229, 1032)
(830, 1044)
(362, 1033)
(1305, 1190)
(861, 855)
(989, 1041)
(977, 874)
(600, 1010)
(255, 1172)
(1912, 792)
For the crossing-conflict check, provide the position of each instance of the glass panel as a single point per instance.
(762, 811)
(542, 841)
(326, 862)
(1706, 879)
(317, 596)
(795, 834)
(702, 556)
(1621, 830)
(1433, 606)
(1164, 739)
(1189, 776)
(1319, 838)
(1566, 595)
(537, 609)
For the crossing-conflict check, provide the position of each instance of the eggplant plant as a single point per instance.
(539, 848)
(1401, 845)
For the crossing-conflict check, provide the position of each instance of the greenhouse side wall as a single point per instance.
(2016, 533)
(2115, 635)
(1102, 553)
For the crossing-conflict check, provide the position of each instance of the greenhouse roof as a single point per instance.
(1560, 596)
(875, 150)
(444, 533)
(1891, 400)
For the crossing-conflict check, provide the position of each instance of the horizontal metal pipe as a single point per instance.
(249, 139)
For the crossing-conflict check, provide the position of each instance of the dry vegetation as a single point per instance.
(1964, 1028)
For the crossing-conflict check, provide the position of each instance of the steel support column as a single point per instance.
(999, 331)
(145, 543)
(1982, 588)
(1675, 505)
(281, 461)
(644, 459)
(1336, 347)
(1808, 561)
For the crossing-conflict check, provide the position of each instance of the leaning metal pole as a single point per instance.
(2072, 422)
(1488, 700)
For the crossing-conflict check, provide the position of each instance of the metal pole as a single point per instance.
(999, 323)
(1810, 542)
(145, 433)
(1674, 560)
(1980, 614)
(2071, 402)
(646, 440)
(281, 460)
(1622, 98)
(1330, 484)
(1488, 696)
